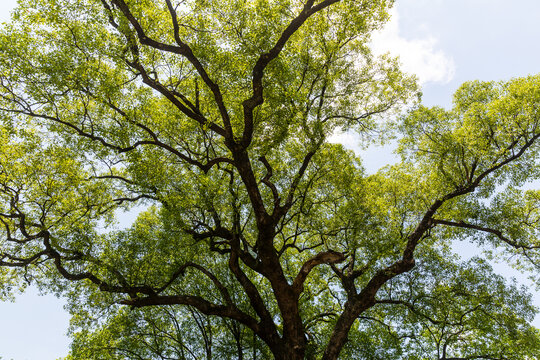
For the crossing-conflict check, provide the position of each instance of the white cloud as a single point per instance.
(417, 56)
(347, 139)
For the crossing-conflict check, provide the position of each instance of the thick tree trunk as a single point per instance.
(293, 341)
(289, 352)
(341, 331)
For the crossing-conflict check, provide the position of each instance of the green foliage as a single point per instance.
(255, 237)
(445, 309)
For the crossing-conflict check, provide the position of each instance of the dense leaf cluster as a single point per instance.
(254, 236)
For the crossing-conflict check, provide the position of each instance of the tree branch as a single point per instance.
(267, 182)
(258, 70)
(327, 257)
(184, 50)
(200, 304)
(495, 232)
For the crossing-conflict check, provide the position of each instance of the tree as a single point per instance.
(256, 237)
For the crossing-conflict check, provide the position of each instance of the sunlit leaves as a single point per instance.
(210, 120)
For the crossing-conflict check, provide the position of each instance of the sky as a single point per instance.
(444, 42)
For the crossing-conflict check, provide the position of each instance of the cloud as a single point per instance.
(417, 56)
(348, 139)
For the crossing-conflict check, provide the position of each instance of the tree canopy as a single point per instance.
(255, 236)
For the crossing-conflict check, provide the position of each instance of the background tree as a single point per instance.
(256, 237)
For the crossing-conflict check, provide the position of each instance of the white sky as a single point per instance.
(420, 55)
(444, 42)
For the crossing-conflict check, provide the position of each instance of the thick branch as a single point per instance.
(328, 257)
(200, 304)
(181, 49)
(258, 70)
(181, 270)
(15, 261)
(267, 182)
(251, 291)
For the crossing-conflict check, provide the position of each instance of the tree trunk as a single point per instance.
(289, 352)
